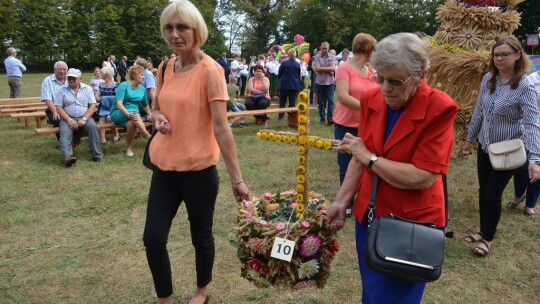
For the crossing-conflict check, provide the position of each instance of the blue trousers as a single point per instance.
(378, 288)
(523, 186)
(343, 159)
(326, 99)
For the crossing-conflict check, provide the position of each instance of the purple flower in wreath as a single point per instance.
(310, 245)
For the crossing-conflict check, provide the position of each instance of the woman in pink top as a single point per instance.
(190, 116)
(258, 94)
(353, 77)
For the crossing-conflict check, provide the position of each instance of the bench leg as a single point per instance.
(27, 122)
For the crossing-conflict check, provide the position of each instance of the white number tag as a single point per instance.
(282, 249)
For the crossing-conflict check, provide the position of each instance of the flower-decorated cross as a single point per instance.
(304, 141)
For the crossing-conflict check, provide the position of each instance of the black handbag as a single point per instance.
(146, 157)
(403, 249)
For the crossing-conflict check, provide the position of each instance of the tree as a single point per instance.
(338, 21)
(8, 15)
(530, 14)
(216, 40)
(262, 19)
(41, 26)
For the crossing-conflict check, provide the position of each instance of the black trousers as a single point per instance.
(262, 104)
(168, 189)
(283, 96)
(53, 122)
(491, 188)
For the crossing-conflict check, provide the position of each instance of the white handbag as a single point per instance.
(507, 155)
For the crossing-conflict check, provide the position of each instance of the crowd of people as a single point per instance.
(394, 131)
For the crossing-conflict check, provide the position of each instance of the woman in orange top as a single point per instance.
(190, 116)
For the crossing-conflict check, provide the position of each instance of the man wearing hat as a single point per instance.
(75, 104)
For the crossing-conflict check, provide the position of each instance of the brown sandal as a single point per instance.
(482, 251)
(471, 238)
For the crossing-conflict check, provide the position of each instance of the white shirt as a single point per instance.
(534, 78)
(235, 68)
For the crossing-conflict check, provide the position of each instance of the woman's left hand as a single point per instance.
(534, 173)
(356, 146)
(240, 191)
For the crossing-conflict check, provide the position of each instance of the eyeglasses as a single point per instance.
(502, 55)
(392, 82)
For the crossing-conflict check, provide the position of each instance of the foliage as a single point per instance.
(339, 21)
(530, 14)
(263, 18)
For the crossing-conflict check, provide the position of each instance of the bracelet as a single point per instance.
(238, 182)
(69, 120)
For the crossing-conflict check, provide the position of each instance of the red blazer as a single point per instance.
(423, 136)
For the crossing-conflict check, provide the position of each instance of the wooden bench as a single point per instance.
(262, 112)
(14, 101)
(7, 112)
(21, 105)
(104, 126)
(39, 116)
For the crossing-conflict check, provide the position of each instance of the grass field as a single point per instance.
(74, 235)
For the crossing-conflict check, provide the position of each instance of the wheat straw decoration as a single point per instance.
(460, 50)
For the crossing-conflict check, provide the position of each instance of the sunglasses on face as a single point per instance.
(502, 55)
(392, 82)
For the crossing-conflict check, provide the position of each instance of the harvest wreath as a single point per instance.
(296, 216)
(261, 220)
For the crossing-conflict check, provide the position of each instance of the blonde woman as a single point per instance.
(192, 129)
(105, 95)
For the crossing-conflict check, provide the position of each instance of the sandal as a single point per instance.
(512, 205)
(472, 239)
(483, 249)
(530, 213)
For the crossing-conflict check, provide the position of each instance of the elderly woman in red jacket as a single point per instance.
(405, 136)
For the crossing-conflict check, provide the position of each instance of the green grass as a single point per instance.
(74, 235)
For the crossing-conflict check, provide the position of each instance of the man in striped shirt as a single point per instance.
(49, 86)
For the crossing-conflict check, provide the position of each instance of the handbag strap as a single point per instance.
(371, 207)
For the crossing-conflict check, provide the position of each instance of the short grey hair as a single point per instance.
(405, 51)
(11, 50)
(142, 62)
(60, 63)
(109, 71)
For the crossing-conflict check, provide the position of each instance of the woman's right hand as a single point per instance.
(467, 148)
(161, 123)
(336, 216)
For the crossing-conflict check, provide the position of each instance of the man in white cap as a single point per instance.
(76, 104)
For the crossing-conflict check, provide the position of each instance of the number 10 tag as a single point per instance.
(282, 249)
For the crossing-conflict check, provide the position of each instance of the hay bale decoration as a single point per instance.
(297, 215)
(460, 50)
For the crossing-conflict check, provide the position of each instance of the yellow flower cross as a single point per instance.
(304, 142)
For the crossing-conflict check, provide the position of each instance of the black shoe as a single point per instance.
(97, 159)
(69, 161)
(330, 122)
(323, 121)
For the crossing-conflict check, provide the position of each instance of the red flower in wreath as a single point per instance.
(334, 248)
(258, 266)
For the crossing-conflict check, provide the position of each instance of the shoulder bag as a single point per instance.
(505, 155)
(146, 157)
(403, 249)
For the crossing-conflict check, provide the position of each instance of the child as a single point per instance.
(232, 105)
